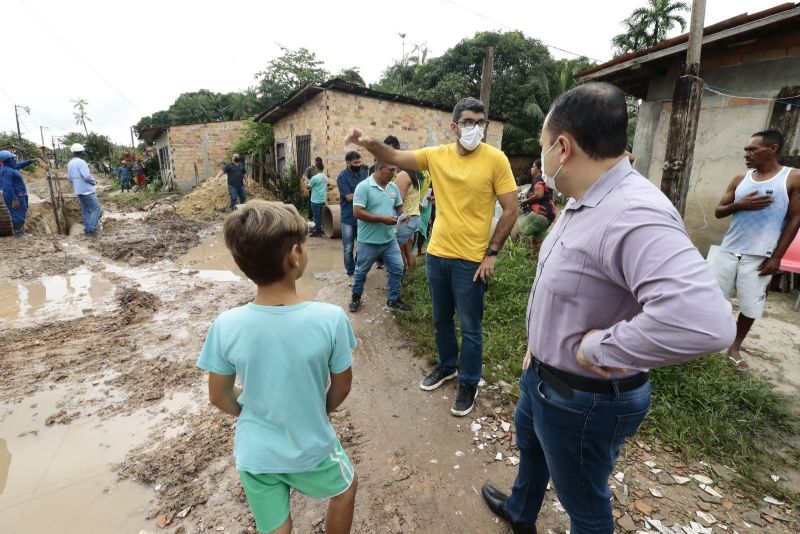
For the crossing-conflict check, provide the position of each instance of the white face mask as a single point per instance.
(550, 180)
(471, 137)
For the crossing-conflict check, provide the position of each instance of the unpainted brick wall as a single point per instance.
(329, 115)
(198, 151)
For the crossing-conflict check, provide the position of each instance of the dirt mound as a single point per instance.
(211, 197)
(163, 235)
(136, 305)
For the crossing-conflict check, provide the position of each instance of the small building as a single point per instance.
(751, 67)
(190, 153)
(314, 120)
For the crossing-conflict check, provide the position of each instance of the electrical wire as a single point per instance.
(80, 57)
(481, 15)
(722, 92)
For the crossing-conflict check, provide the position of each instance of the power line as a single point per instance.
(722, 92)
(493, 21)
(80, 57)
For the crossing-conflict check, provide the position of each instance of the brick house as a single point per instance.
(314, 120)
(190, 153)
(751, 67)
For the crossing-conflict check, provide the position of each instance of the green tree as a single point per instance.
(351, 75)
(647, 26)
(204, 106)
(80, 113)
(287, 73)
(98, 147)
(24, 149)
(457, 73)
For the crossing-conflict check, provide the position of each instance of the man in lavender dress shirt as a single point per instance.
(619, 290)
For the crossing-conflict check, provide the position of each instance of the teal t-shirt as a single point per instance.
(319, 188)
(378, 201)
(283, 356)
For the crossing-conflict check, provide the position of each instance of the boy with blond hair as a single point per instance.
(284, 438)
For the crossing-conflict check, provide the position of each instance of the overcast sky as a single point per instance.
(130, 59)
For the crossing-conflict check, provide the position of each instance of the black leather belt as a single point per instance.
(563, 382)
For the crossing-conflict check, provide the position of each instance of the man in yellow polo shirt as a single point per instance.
(468, 176)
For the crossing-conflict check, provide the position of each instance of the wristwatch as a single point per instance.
(491, 252)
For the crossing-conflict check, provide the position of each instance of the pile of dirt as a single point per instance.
(212, 198)
(159, 236)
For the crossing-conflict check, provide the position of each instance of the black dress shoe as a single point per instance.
(496, 501)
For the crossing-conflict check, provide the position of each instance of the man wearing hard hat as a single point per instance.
(14, 192)
(84, 186)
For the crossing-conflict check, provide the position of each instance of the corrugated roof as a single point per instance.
(735, 29)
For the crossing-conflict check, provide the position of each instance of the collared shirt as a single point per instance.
(83, 183)
(347, 182)
(378, 201)
(619, 261)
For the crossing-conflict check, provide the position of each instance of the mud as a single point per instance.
(106, 425)
(33, 258)
(156, 237)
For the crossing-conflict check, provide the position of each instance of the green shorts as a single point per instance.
(535, 226)
(268, 493)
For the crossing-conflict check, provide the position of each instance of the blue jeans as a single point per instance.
(316, 210)
(237, 192)
(368, 254)
(452, 289)
(349, 235)
(575, 441)
(90, 212)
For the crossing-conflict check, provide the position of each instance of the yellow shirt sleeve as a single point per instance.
(504, 181)
(421, 156)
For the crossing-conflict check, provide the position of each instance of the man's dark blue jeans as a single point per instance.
(237, 192)
(452, 289)
(575, 441)
(316, 211)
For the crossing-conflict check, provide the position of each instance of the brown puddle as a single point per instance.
(51, 297)
(57, 478)
(213, 262)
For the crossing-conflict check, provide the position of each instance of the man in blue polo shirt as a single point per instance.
(347, 181)
(374, 202)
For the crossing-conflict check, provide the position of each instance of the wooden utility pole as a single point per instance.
(686, 100)
(486, 83)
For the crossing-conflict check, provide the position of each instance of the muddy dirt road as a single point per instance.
(106, 427)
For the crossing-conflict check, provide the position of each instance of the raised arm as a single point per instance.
(402, 158)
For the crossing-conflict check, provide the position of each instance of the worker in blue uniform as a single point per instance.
(15, 194)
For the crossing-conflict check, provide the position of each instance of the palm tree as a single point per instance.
(634, 39)
(80, 113)
(647, 26)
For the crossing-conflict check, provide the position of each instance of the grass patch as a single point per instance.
(705, 408)
(143, 196)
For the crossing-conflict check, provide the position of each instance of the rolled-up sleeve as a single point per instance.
(683, 312)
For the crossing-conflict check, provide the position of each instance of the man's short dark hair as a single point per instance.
(319, 166)
(318, 160)
(392, 141)
(596, 115)
(771, 137)
(350, 156)
(467, 104)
